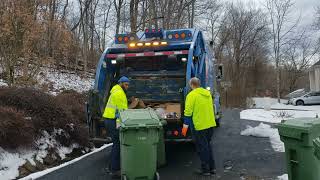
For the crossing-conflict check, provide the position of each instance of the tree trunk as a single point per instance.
(133, 15)
(118, 14)
(192, 13)
(153, 16)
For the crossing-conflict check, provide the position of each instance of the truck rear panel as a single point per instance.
(159, 68)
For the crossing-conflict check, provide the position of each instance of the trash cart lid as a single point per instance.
(137, 118)
(294, 128)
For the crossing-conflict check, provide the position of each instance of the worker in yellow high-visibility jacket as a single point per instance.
(117, 101)
(199, 115)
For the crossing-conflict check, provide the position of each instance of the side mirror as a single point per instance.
(220, 72)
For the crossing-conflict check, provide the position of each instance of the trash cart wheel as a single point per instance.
(124, 177)
(156, 176)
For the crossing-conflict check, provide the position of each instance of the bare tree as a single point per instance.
(279, 11)
(106, 13)
(242, 34)
(118, 6)
(317, 20)
(134, 5)
(298, 54)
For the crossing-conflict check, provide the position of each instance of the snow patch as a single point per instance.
(11, 161)
(64, 81)
(283, 177)
(62, 151)
(275, 116)
(2, 83)
(9, 164)
(265, 130)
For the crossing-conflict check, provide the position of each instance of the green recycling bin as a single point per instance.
(316, 144)
(298, 135)
(139, 138)
(161, 150)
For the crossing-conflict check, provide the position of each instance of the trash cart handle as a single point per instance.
(294, 161)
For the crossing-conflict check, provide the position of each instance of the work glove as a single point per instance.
(186, 123)
(184, 130)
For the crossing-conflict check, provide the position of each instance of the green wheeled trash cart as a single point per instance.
(161, 150)
(316, 144)
(139, 137)
(298, 136)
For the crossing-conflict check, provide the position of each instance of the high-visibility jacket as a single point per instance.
(199, 106)
(117, 101)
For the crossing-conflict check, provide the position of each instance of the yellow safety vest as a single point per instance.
(199, 105)
(117, 101)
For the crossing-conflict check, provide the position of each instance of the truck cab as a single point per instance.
(160, 64)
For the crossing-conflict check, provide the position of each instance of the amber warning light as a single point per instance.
(147, 44)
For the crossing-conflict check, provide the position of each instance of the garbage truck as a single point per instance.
(160, 64)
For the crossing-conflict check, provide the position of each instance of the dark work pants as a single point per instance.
(113, 132)
(203, 144)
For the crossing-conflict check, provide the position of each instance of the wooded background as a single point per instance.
(264, 49)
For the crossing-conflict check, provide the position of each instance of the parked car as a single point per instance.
(308, 98)
(296, 93)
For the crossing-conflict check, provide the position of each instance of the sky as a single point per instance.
(303, 8)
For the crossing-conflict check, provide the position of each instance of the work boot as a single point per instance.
(116, 175)
(202, 172)
(213, 171)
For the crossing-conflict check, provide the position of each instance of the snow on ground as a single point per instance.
(264, 130)
(273, 112)
(292, 107)
(61, 81)
(283, 177)
(275, 116)
(11, 161)
(2, 83)
(42, 173)
(65, 81)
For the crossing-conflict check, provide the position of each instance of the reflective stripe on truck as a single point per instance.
(161, 53)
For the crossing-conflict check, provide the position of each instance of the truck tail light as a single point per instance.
(176, 133)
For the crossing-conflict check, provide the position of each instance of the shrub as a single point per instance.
(74, 103)
(47, 113)
(16, 129)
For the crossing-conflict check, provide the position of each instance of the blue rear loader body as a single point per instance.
(160, 64)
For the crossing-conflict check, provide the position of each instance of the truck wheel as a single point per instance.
(156, 176)
(300, 103)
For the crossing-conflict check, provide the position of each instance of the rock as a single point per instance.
(39, 165)
(49, 160)
(23, 171)
(31, 168)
